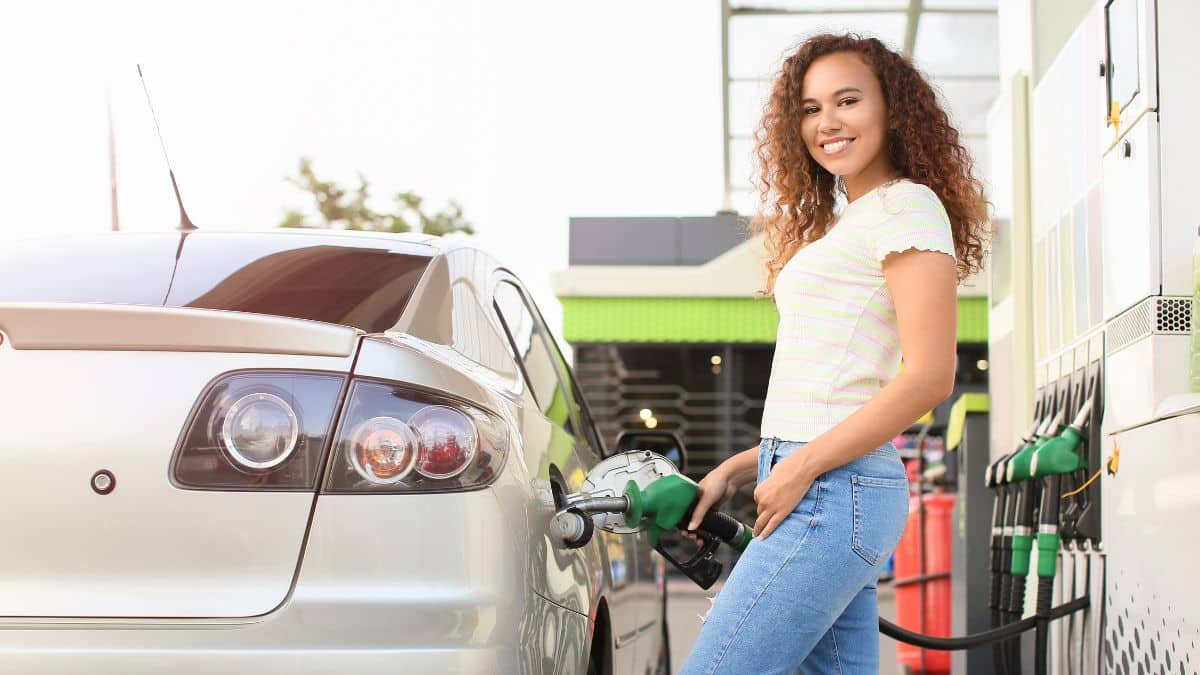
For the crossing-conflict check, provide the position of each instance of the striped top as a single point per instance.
(838, 342)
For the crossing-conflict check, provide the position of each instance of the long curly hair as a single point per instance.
(797, 194)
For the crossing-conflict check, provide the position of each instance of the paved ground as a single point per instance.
(687, 601)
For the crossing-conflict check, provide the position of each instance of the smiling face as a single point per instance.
(844, 121)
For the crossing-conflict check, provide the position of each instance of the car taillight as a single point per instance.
(383, 450)
(397, 439)
(258, 430)
(448, 441)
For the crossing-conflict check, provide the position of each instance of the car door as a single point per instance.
(574, 447)
(629, 555)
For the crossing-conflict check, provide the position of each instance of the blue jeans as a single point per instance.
(804, 598)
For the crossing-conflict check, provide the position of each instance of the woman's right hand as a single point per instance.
(715, 488)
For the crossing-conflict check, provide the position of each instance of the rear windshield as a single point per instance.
(365, 284)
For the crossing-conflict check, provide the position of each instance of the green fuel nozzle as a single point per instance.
(1058, 454)
(1025, 497)
(666, 504)
(641, 491)
(1053, 460)
(1019, 465)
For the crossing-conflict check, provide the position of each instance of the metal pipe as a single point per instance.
(602, 504)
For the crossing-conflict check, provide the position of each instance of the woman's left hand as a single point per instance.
(778, 495)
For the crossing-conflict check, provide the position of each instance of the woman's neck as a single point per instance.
(868, 179)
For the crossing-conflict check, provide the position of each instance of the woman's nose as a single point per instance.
(829, 121)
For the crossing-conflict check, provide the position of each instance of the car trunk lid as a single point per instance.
(92, 388)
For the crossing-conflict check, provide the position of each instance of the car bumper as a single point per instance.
(410, 584)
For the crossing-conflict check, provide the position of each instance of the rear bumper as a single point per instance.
(179, 662)
(422, 584)
(303, 639)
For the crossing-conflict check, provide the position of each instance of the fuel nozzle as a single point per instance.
(1025, 497)
(641, 491)
(1058, 454)
(1019, 466)
(1055, 458)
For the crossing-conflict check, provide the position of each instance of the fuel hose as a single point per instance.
(976, 639)
(724, 527)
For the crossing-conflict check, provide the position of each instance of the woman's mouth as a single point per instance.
(832, 148)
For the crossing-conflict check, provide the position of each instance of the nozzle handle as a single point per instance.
(726, 528)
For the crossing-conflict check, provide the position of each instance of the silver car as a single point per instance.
(297, 451)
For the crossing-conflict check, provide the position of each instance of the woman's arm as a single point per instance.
(924, 291)
(723, 481)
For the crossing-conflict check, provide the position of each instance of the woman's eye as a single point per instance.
(848, 101)
(809, 110)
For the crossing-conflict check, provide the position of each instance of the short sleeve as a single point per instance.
(914, 219)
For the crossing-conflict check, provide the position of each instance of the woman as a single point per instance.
(854, 290)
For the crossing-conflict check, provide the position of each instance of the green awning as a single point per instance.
(748, 320)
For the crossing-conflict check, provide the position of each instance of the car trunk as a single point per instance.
(86, 388)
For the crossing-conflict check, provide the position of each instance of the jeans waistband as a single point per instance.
(772, 443)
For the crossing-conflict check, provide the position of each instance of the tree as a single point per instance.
(340, 209)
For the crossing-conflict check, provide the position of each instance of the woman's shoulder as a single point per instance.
(906, 195)
(909, 189)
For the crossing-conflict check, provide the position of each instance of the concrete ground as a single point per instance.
(687, 601)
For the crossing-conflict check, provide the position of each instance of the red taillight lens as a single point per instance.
(448, 441)
(396, 439)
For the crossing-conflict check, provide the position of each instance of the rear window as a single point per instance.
(361, 284)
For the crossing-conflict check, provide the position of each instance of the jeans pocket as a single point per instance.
(880, 512)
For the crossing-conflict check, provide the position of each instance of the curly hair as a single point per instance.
(797, 194)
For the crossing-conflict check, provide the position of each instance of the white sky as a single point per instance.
(525, 111)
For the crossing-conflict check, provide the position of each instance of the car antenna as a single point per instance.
(185, 223)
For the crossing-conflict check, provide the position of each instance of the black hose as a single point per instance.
(1016, 608)
(1045, 596)
(722, 526)
(1041, 656)
(1012, 652)
(1016, 596)
(975, 639)
(999, 659)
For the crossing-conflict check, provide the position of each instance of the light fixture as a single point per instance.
(651, 422)
(716, 359)
(646, 414)
(982, 364)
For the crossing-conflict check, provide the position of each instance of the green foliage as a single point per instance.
(341, 209)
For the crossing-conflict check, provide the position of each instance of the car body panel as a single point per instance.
(148, 548)
(389, 583)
